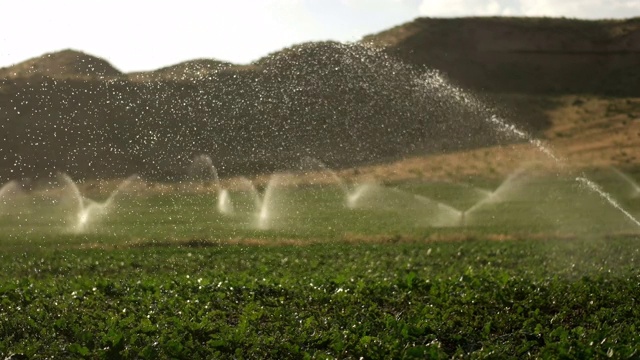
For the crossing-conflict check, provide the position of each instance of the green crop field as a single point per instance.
(544, 267)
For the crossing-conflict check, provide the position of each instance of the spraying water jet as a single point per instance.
(87, 210)
(434, 81)
(635, 188)
(351, 193)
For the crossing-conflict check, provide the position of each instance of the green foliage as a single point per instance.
(511, 299)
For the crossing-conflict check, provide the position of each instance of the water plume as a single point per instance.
(635, 189)
(9, 190)
(225, 206)
(266, 208)
(425, 211)
(271, 207)
(89, 211)
(202, 169)
(597, 189)
(512, 183)
(351, 193)
(433, 81)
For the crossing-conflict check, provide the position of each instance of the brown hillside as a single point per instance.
(524, 55)
(344, 104)
(585, 132)
(62, 64)
(188, 70)
(347, 105)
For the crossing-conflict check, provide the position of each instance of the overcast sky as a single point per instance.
(148, 34)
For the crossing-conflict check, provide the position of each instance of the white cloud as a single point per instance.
(377, 3)
(588, 9)
(147, 34)
(454, 8)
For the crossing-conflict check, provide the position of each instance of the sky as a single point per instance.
(136, 35)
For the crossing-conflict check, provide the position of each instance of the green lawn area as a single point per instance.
(160, 277)
(522, 205)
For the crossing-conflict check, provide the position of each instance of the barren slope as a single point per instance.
(346, 105)
(524, 55)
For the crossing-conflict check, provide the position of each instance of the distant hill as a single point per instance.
(344, 104)
(62, 64)
(524, 55)
(192, 69)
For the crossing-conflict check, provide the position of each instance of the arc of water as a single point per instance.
(449, 212)
(596, 188)
(375, 196)
(629, 180)
(257, 199)
(204, 162)
(496, 195)
(315, 164)
(351, 194)
(77, 195)
(214, 174)
(9, 188)
(265, 210)
(262, 202)
(121, 187)
(436, 81)
(482, 192)
(478, 190)
(225, 206)
(582, 179)
(89, 208)
(354, 196)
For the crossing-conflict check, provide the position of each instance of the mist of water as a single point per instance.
(350, 194)
(88, 211)
(225, 206)
(202, 168)
(635, 189)
(512, 182)
(434, 81)
(598, 190)
(267, 211)
(8, 190)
